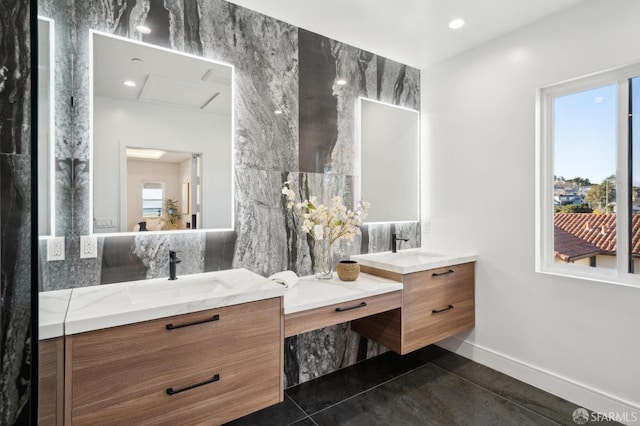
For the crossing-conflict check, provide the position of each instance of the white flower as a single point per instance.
(332, 222)
(288, 193)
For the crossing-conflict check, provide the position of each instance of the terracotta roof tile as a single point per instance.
(596, 230)
(569, 248)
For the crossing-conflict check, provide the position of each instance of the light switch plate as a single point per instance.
(55, 249)
(88, 246)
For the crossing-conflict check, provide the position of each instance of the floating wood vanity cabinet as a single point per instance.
(51, 381)
(436, 304)
(207, 367)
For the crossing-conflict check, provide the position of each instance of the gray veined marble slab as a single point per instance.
(98, 307)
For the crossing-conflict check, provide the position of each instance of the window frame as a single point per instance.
(544, 241)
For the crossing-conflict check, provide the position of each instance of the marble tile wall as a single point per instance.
(311, 144)
(15, 219)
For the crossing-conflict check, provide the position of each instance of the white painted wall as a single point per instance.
(134, 124)
(575, 338)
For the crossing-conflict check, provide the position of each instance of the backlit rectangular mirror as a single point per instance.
(162, 143)
(46, 170)
(389, 152)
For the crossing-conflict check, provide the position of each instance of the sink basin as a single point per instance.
(412, 260)
(413, 257)
(183, 287)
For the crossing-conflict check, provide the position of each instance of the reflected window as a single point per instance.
(152, 196)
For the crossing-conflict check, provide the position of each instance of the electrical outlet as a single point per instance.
(88, 246)
(105, 222)
(426, 227)
(55, 249)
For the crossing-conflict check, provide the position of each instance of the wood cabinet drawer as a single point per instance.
(437, 304)
(123, 374)
(301, 322)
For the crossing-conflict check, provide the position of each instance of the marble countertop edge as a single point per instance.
(312, 294)
(403, 262)
(81, 323)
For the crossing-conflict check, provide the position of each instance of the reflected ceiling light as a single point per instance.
(143, 29)
(456, 23)
(341, 82)
(150, 154)
(130, 83)
(278, 111)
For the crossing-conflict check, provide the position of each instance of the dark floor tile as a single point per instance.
(305, 422)
(282, 414)
(429, 353)
(327, 390)
(428, 396)
(544, 403)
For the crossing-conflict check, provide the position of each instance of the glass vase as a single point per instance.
(323, 259)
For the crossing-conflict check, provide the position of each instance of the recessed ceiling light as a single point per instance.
(341, 82)
(278, 112)
(152, 154)
(143, 29)
(130, 83)
(456, 23)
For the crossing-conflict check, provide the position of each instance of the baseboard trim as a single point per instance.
(578, 393)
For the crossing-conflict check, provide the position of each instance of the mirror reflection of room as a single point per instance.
(158, 190)
(161, 128)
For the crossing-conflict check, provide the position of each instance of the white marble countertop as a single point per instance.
(104, 306)
(52, 311)
(413, 260)
(312, 293)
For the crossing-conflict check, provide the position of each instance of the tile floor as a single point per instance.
(428, 387)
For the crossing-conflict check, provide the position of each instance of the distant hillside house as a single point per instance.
(590, 239)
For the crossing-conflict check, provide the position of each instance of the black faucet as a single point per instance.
(394, 242)
(173, 261)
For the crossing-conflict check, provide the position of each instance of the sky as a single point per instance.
(585, 134)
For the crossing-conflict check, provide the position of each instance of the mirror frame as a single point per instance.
(51, 160)
(232, 141)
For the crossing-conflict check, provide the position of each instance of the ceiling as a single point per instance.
(162, 77)
(413, 32)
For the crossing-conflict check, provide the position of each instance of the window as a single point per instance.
(152, 196)
(588, 186)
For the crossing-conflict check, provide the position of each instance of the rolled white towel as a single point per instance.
(286, 278)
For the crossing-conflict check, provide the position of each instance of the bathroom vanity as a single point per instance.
(210, 347)
(203, 348)
(438, 298)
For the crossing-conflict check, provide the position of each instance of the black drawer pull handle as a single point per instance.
(172, 391)
(450, 271)
(188, 324)
(437, 311)
(361, 305)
